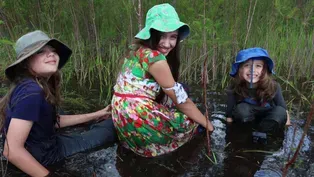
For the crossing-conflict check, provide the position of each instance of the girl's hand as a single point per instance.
(104, 113)
(210, 126)
(229, 120)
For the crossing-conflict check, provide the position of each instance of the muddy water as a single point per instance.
(233, 153)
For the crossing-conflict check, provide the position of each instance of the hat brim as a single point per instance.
(269, 62)
(62, 50)
(159, 25)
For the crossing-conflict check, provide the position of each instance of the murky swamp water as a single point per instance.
(233, 153)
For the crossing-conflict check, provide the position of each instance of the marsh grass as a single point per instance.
(3, 91)
(99, 37)
(212, 159)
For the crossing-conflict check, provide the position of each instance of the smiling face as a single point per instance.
(45, 61)
(167, 42)
(246, 70)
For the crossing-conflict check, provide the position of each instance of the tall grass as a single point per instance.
(100, 31)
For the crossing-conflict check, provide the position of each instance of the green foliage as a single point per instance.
(6, 42)
(3, 91)
(74, 102)
(99, 32)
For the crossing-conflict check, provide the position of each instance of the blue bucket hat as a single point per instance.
(255, 53)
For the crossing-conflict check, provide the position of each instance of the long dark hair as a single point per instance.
(265, 89)
(51, 88)
(173, 57)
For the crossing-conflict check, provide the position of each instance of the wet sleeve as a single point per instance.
(278, 98)
(27, 106)
(149, 57)
(180, 93)
(231, 102)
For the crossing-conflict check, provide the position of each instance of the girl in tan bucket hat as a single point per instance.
(28, 113)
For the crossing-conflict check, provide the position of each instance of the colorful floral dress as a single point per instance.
(143, 125)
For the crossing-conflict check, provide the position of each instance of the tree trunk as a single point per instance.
(174, 2)
(205, 75)
(140, 15)
(214, 58)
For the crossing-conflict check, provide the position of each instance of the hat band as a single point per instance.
(31, 48)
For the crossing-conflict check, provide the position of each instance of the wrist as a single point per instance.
(208, 125)
(98, 114)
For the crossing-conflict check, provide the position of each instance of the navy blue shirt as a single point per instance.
(28, 102)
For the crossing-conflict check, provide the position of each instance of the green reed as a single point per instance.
(99, 32)
(100, 35)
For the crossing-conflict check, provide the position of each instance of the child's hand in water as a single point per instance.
(229, 120)
(288, 123)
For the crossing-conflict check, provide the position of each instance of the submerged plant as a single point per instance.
(214, 160)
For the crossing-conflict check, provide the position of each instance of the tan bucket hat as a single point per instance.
(32, 42)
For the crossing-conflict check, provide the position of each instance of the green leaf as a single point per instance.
(292, 12)
(6, 42)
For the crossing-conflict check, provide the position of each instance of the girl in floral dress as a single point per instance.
(149, 72)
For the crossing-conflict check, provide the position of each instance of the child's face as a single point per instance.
(246, 67)
(45, 61)
(167, 42)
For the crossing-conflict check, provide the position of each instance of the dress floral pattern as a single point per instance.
(143, 125)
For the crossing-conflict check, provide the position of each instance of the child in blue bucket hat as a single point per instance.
(253, 94)
(145, 122)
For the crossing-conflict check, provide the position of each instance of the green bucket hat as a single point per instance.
(30, 43)
(163, 18)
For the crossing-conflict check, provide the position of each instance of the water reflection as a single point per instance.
(234, 153)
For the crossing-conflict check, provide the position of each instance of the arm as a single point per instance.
(161, 72)
(279, 101)
(15, 151)
(69, 120)
(231, 101)
(278, 98)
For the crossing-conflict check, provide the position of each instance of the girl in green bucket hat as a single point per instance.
(28, 113)
(151, 110)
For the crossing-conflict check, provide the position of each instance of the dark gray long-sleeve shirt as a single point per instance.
(278, 100)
